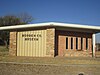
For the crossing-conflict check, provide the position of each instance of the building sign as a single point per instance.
(31, 37)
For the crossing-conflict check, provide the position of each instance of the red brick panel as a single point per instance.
(90, 44)
(74, 43)
(61, 45)
(84, 44)
(69, 43)
(79, 43)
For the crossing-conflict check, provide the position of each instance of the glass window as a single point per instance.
(66, 42)
(76, 43)
(71, 43)
(86, 43)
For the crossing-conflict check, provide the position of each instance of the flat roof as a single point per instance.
(52, 24)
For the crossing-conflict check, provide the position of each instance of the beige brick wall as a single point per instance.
(12, 44)
(50, 42)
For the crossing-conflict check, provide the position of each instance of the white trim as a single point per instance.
(77, 26)
(53, 24)
(24, 26)
(93, 38)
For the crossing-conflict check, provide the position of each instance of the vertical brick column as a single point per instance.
(79, 43)
(61, 45)
(69, 43)
(50, 42)
(13, 44)
(84, 44)
(74, 43)
(90, 44)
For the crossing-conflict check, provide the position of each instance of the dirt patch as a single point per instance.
(33, 69)
(48, 66)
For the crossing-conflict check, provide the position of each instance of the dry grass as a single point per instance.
(47, 66)
(98, 54)
(57, 60)
(3, 51)
(42, 69)
(4, 57)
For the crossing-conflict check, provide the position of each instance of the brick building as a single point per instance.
(52, 39)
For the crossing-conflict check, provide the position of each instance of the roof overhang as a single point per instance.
(65, 26)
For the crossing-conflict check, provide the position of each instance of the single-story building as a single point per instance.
(52, 39)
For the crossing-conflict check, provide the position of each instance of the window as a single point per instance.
(81, 43)
(86, 43)
(76, 43)
(66, 42)
(71, 43)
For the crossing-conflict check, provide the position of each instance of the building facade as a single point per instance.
(53, 39)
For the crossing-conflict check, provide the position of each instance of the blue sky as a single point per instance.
(67, 11)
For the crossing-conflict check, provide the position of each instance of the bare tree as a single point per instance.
(25, 18)
(9, 20)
